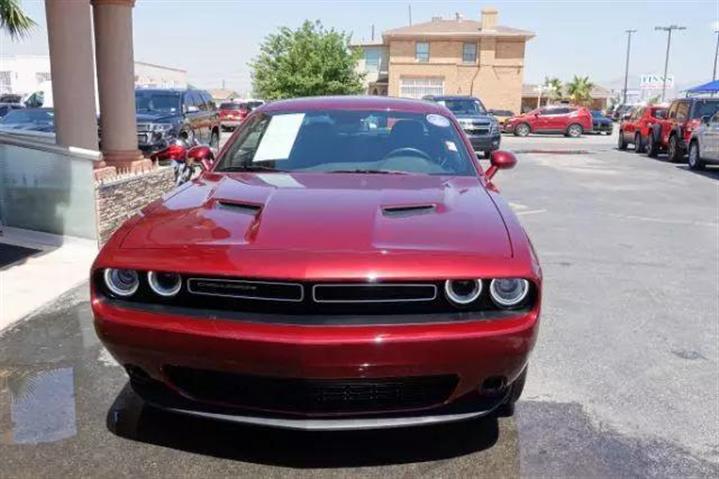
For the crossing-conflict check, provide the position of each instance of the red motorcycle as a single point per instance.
(188, 161)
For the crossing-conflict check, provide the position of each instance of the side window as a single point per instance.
(672, 111)
(469, 52)
(210, 105)
(638, 113)
(682, 111)
(422, 52)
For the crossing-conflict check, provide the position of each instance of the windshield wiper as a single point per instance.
(250, 168)
(372, 172)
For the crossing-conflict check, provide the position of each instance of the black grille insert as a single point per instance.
(233, 288)
(373, 293)
(313, 395)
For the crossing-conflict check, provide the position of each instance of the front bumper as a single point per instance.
(473, 351)
(602, 128)
(485, 142)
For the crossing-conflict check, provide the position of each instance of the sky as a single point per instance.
(214, 40)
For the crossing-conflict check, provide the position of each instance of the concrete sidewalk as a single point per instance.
(64, 262)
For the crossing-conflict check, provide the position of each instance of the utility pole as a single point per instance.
(409, 7)
(626, 67)
(667, 29)
(716, 51)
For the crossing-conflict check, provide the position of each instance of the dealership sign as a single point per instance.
(655, 82)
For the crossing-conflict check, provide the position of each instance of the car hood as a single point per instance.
(151, 117)
(475, 118)
(327, 212)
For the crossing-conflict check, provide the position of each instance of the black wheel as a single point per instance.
(574, 130)
(639, 145)
(215, 141)
(652, 147)
(522, 129)
(516, 388)
(695, 159)
(674, 152)
(621, 142)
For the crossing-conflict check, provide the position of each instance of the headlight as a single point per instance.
(162, 127)
(122, 282)
(494, 129)
(508, 292)
(164, 284)
(462, 291)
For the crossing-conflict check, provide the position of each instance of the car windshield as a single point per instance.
(347, 141)
(704, 108)
(463, 106)
(229, 106)
(659, 113)
(28, 116)
(165, 102)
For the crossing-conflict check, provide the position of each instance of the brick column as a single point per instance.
(116, 84)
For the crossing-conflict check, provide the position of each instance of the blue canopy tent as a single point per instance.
(711, 87)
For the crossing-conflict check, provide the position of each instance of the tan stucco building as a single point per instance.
(446, 57)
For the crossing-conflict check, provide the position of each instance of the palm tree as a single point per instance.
(580, 90)
(13, 19)
(554, 88)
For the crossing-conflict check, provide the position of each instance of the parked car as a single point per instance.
(704, 143)
(232, 114)
(567, 119)
(29, 119)
(601, 124)
(675, 131)
(636, 126)
(502, 116)
(346, 263)
(478, 124)
(164, 115)
(6, 108)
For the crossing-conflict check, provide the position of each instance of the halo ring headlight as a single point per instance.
(121, 282)
(462, 291)
(164, 284)
(508, 292)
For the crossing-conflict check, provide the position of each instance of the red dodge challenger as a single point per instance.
(345, 263)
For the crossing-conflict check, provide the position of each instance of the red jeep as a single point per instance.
(674, 133)
(567, 119)
(635, 126)
(232, 114)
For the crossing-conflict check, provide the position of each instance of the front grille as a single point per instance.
(144, 127)
(477, 130)
(373, 293)
(316, 396)
(240, 289)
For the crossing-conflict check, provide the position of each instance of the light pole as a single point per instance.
(716, 51)
(667, 29)
(626, 67)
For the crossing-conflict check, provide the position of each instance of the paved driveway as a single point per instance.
(624, 381)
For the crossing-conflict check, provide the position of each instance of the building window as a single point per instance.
(418, 87)
(42, 76)
(469, 53)
(372, 59)
(422, 51)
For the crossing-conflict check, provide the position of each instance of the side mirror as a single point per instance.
(500, 160)
(202, 155)
(705, 119)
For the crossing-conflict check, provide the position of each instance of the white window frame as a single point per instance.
(416, 52)
(420, 86)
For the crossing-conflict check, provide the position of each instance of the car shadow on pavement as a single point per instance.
(130, 418)
(711, 172)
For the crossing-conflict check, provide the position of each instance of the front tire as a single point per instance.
(522, 130)
(574, 130)
(695, 159)
(674, 152)
(652, 147)
(621, 142)
(215, 141)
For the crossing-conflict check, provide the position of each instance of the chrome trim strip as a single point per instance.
(336, 424)
(217, 280)
(345, 285)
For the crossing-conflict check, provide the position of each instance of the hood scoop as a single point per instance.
(238, 207)
(408, 210)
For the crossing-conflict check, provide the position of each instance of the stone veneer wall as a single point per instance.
(118, 198)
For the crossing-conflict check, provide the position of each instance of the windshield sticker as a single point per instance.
(450, 145)
(437, 120)
(279, 137)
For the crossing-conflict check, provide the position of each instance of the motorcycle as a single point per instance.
(189, 160)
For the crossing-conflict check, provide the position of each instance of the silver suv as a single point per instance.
(704, 145)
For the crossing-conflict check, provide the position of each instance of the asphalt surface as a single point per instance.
(624, 381)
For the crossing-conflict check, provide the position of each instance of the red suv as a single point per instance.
(674, 133)
(232, 114)
(636, 126)
(570, 120)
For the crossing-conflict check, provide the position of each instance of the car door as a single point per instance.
(194, 115)
(543, 120)
(710, 138)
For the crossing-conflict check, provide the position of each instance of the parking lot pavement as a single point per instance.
(623, 381)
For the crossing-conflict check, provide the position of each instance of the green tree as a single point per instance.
(13, 19)
(580, 90)
(308, 61)
(554, 88)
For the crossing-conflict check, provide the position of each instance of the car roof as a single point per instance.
(353, 102)
(451, 97)
(171, 90)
